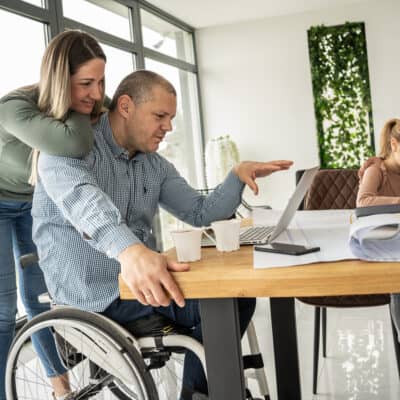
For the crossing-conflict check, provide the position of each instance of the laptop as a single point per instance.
(254, 235)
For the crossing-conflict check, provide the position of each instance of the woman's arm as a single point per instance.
(20, 117)
(368, 192)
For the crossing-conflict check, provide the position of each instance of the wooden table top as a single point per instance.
(232, 275)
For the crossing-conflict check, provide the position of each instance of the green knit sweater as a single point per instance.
(23, 128)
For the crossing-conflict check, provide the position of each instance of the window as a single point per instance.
(109, 16)
(133, 34)
(14, 71)
(182, 145)
(119, 64)
(38, 3)
(14, 67)
(166, 38)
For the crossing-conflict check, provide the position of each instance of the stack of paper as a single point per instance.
(376, 237)
(327, 229)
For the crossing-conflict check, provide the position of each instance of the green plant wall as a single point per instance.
(342, 99)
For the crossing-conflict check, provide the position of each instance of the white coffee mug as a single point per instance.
(227, 234)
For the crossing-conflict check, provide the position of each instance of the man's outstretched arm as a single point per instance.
(180, 199)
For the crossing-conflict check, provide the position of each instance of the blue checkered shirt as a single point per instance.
(86, 211)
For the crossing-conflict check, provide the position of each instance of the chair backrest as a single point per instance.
(331, 189)
(336, 189)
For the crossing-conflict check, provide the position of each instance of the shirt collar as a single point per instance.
(105, 130)
(104, 127)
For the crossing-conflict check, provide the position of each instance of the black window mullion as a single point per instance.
(203, 138)
(136, 26)
(56, 21)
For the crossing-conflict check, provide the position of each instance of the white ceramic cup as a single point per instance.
(187, 244)
(227, 234)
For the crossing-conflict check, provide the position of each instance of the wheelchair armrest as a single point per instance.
(249, 207)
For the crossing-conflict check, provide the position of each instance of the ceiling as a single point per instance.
(205, 13)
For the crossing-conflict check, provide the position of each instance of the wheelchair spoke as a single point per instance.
(168, 379)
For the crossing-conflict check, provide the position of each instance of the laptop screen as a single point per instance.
(294, 202)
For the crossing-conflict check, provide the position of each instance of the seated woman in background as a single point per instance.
(380, 183)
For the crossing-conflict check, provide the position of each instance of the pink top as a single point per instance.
(379, 186)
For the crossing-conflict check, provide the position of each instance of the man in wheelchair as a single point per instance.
(93, 216)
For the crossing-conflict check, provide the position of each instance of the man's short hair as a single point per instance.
(139, 85)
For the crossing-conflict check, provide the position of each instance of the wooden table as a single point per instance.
(219, 278)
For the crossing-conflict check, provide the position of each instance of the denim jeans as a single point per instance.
(122, 311)
(16, 240)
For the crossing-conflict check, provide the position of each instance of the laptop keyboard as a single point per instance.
(255, 234)
(250, 235)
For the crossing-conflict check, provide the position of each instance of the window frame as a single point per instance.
(51, 15)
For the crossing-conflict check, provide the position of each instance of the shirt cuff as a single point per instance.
(115, 239)
(233, 185)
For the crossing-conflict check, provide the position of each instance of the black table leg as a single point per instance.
(221, 337)
(284, 334)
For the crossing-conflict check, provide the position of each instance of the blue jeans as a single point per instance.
(124, 311)
(16, 240)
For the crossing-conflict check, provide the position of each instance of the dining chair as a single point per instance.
(336, 189)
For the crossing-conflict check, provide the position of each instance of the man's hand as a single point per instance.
(248, 171)
(146, 273)
(368, 163)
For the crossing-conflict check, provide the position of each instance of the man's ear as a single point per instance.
(125, 103)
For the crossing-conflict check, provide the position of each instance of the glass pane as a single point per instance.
(182, 146)
(35, 2)
(14, 67)
(108, 16)
(119, 64)
(166, 38)
(14, 72)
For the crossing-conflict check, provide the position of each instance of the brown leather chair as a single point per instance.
(336, 189)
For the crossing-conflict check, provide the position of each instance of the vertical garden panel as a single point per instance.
(342, 98)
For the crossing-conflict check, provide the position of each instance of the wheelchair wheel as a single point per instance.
(102, 361)
(166, 375)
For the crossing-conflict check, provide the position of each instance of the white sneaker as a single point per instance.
(66, 396)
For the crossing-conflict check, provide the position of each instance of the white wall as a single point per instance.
(256, 84)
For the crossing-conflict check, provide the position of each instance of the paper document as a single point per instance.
(327, 229)
(376, 237)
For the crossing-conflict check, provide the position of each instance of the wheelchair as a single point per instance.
(140, 361)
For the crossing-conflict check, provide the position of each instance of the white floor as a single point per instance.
(360, 363)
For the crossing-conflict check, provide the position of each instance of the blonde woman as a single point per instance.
(53, 116)
(380, 183)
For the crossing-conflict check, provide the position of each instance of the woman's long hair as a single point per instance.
(390, 130)
(62, 58)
